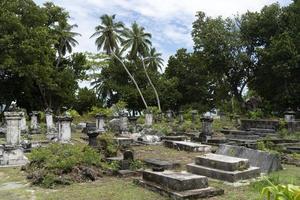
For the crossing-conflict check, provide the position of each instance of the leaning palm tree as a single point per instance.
(154, 60)
(108, 37)
(137, 41)
(66, 40)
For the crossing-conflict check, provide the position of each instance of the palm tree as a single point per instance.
(137, 41)
(108, 37)
(108, 34)
(65, 40)
(154, 60)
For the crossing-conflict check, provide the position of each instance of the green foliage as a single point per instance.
(51, 165)
(136, 164)
(255, 114)
(280, 192)
(107, 144)
(85, 100)
(95, 110)
(113, 166)
(163, 128)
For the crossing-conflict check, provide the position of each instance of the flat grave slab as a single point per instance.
(182, 195)
(178, 181)
(222, 162)
(123, 141)
(187, 146)
(229, 176)
(153, 162)
(174, 138)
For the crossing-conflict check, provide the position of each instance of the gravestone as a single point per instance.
(64, 128)
(194, 115)
(206, 132)
(148, 119)
(164, 164)
(100, 121)
(11, 153)
(128, 155)
(225, 168)
(169, 115)
(289, 117)
(51, 129)
(34, 123)
(266, 161)
(187, 146)
(23, 125)
(124, 122)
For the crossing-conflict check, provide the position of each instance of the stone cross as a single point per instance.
(64, 129)
(13, 120)
(100, 121)
(148, 119)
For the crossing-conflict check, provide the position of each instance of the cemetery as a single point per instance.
(218, 121)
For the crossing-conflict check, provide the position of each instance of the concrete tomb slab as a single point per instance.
(153, 162)
(177, 185)
(187, 146)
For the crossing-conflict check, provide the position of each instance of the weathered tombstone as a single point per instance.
(289, 117)
(23, 126)
(13, 131)
(93, 134)
(100, 121)
(11, 153)
(124, 122)
(114, 124)
(169, 115)
(49, 120)
(158, 117)
(206, 128)
(148, 119)
(34, 122)
(64, 128)
(181, 119)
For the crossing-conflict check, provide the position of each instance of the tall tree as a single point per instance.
(138, 42)
(108, 36)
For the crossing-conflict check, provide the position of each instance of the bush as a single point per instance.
(107, 144)
(51, 165)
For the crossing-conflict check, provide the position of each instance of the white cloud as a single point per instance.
(169, 21)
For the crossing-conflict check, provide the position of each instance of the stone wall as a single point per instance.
(246, 124)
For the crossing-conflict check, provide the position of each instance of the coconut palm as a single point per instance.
(138, 42)
(108, 37)
(154, 60)
(66, 40)
(108, 34)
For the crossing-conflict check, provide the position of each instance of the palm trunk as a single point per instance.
(132, 78)
(152, 85)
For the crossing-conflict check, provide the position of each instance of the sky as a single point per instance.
(169, 21)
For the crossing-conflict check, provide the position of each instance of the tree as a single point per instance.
(108, 37)
(154, 60)
(138, 43)
(85, 100)
(273, 38)
(220, 44)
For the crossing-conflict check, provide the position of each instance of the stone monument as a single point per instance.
(64, 128)
(34, 127)
(123, 122)
(51, 130)
(11, 153)
(148, 119)
(181, 119)
(100, 121)
(206, 132)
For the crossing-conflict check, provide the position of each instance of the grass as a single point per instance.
(114, 188)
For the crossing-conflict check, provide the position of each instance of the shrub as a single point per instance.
(136, 164)
(51, 165)
(107, 144)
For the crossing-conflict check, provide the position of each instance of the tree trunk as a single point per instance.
(133, 80)
(152, 85)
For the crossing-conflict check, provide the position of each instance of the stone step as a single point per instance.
(222, 162)
(178, 181)
(229, 176)
(179, 195)
(187, 146)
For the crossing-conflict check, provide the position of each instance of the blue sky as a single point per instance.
(169, 21)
